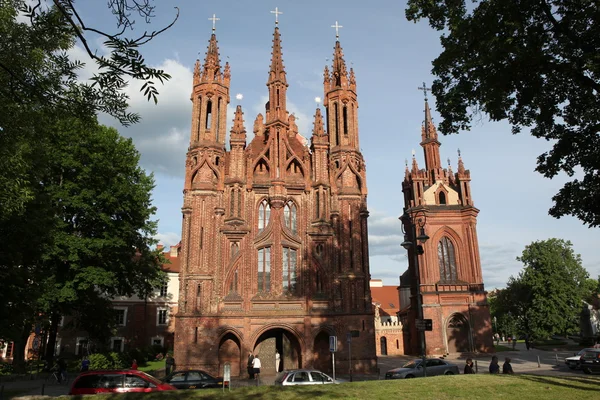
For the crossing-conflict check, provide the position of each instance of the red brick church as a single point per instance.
(274, 248)
(445, 269)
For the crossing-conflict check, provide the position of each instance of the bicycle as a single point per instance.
(58, 378)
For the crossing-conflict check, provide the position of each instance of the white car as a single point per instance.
(414, 369)
(574, 361)
(305, 377)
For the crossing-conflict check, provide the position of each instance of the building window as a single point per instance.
(199, 298)
(162, 316)
(117, 344)
(57, 346)
(157, 341)
(264, 269)
(289, 214)
(289, 269)
(164, 289)
(121, 316)
(447, 260)
(81, 346)
(318, 282)
(264, 213)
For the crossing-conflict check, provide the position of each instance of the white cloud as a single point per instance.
(168, 238)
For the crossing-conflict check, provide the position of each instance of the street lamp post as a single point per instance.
(410, 243)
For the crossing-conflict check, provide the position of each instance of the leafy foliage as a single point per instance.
(534, 63)
(546, 297)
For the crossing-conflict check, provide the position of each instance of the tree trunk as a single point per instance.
(52, 332)
(19, 350)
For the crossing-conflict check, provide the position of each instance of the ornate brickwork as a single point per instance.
(274, 250)
(451, 282)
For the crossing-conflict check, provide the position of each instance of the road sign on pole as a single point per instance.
(333, 344)
(424, 324)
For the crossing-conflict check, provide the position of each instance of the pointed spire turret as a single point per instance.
(197, 72)
(339, 71)
(461, 165)
(318, 129)
(277, 84)
(238, 130)
(430, 143)
(211, 70)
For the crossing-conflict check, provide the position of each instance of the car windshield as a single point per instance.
(581, 352)
(412, 364)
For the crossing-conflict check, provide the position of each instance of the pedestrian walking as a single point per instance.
(256, 365)
(250, 365)
(169, 364)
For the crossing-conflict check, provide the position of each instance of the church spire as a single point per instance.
(429, 141)
(211, 70)
(277, 83)
(339, 72)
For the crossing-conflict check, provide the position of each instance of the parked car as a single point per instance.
(414, 369)
(305, 377)
(117, 381)
(590, 361)
(193, 379)
(574, 361)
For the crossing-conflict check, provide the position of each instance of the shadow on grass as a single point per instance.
(566, 381)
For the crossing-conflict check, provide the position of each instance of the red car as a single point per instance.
(117, 381)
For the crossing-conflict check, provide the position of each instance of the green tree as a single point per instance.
(547, 295)
(534, 63)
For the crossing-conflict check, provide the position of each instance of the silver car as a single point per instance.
(414, 369)
(304, 377)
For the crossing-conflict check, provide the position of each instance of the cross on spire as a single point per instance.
(337, 29)
(214, 19)
(425, 89)
(276, 12)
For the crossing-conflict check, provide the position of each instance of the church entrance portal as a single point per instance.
(282, 341)
(321, 353)
(230, 351)
(458, 334)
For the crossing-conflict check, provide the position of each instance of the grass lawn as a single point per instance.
(153, 366)
(479, 386)
(500, 347)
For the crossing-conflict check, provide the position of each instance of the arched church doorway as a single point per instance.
(282, 341)
(230, 351)
(383, 345)
(321, 353)
(457, 332)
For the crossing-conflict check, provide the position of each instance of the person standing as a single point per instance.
(494, 367)
(85, 364)
(250, 365)
(169, 364)
(134, 364)
(256, 365)
(469, 367)
(506, 367)
(277, 360)
(527, 342)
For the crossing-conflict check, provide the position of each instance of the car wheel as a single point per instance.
(449, 373)
(587, 370)
(409, 376)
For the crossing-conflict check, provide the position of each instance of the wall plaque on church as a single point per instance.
(424, 324)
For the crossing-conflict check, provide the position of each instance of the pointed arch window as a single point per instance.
(264, 213)
(290, 216)
(290, 262)
(447, 260)
(264, 270)
(233, 287)
(442, 197)
(318, 282)
(208, 114)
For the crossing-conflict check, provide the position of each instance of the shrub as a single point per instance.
(6, 369)
(100, 361)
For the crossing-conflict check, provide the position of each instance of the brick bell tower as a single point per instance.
(450, 281)
(274, 246)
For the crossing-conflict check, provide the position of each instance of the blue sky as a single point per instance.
(391, 58)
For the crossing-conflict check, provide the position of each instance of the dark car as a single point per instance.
(193, 379)
(117, 381)
(573, 361)
(590, 361)
(413, 369)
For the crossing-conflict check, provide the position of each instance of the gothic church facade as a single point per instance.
(274, 248)
(445, 272)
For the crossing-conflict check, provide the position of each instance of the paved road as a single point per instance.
(523, 361)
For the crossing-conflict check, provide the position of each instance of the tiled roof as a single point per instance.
(173, 266)
(387, 296)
